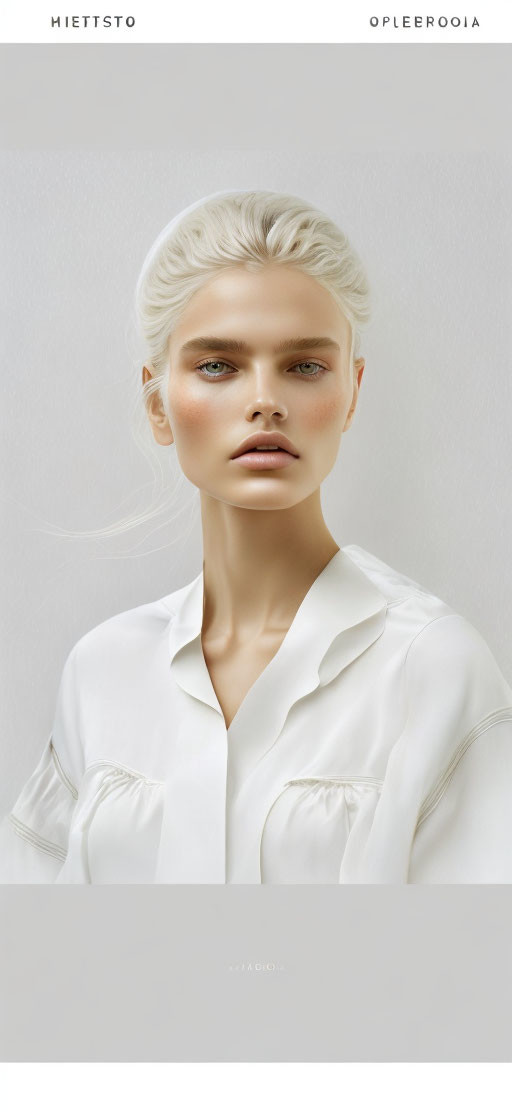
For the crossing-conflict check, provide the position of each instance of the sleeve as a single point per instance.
(445, 809)
(34, 834)
(465, 835)
(463, 830)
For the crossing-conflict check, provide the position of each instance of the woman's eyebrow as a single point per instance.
(238, 347)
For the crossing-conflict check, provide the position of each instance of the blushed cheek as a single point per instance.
(194, 417)
(326, 413)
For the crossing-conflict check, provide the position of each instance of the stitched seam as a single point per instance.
(451, 614)
(61, 772)
(37, 841)
(412, 595)
(350, 780)
(119, 769)
(500, 715)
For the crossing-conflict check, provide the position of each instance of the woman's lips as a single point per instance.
(264, 460)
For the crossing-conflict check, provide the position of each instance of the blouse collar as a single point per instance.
(341, 615)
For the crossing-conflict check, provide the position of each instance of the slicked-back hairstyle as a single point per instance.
(250, 228)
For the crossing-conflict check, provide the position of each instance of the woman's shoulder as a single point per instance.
(135, 631)
(393, 584)
(437, 639)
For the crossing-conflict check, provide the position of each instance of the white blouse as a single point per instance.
(375, 747)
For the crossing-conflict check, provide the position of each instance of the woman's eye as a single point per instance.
(311, 372)
(216, 372)
(218, 368)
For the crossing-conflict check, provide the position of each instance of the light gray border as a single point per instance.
(287, 974)
(358, 97)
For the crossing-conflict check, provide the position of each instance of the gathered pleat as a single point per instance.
(308, 826)
(116, 829)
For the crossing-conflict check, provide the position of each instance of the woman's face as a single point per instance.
(240, 365)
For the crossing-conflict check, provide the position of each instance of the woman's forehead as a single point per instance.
(272, 298)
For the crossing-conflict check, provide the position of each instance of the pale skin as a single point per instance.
(265, 539)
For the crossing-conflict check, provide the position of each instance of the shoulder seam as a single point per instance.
(449, 614)
(417, 595)
(500, 715)
(412, 589)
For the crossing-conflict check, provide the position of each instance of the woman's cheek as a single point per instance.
(194, 417)
(326, 412)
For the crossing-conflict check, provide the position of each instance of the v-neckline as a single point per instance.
(267, 669)
(339, 599)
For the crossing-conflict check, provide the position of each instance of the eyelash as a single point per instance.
(219, 361)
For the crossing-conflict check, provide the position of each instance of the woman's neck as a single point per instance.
(259, 564)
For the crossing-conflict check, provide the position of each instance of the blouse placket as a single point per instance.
(217, 792)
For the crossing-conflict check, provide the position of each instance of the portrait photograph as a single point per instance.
(255, 494)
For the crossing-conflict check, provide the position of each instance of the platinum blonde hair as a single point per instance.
(250, 228)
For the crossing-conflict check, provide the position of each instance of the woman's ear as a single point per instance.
(358, 370)
(156, 413)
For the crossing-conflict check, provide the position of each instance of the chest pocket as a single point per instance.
(115, 832)
(309, 825)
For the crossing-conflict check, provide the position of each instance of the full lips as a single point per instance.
(265, 460)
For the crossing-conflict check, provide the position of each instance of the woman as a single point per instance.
(299, 712)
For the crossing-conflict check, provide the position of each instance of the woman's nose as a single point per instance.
(265, 396)
(267, 407)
